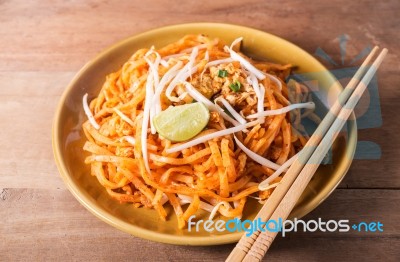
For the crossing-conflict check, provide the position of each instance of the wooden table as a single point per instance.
(44, 43)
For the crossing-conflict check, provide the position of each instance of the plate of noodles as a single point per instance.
(193, 121)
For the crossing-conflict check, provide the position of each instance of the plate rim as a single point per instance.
(153, 235)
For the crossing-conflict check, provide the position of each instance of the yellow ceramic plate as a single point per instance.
(68, 138)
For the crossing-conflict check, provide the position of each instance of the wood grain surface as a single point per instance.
(44, 43)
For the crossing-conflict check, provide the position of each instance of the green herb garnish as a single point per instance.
(235, 86)
(222, 73)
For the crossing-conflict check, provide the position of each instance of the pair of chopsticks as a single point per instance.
(297, 177)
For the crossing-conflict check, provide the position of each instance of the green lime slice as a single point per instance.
(180, 123)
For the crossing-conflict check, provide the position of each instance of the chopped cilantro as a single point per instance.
(222, 73)
(235, 86)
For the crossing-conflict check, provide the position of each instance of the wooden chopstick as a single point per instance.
(264, 240)
(246, 243)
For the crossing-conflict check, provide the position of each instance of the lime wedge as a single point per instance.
(180, 123)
